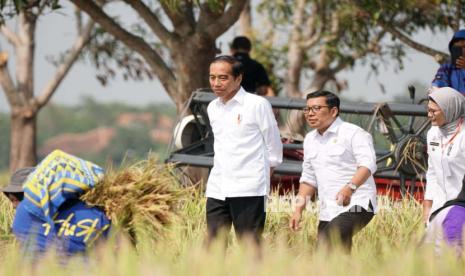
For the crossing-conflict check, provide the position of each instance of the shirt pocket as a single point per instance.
(435, 159)
(336, 150)
(336, 154)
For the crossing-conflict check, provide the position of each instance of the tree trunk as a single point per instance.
(24, 112)
(296, 118)
(245, 21)
(23, 141)
(292, 82)
(191, 71)
(295, 55)
(321, 77)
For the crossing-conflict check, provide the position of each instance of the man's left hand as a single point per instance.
(344, 195)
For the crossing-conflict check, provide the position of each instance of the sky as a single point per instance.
(56, 33)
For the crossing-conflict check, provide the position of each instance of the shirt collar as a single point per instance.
(335, 125)
(332, 128)
(239, 97)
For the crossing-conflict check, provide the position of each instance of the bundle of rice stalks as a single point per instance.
(140, 199)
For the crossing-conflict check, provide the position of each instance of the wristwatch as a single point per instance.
(352, 186)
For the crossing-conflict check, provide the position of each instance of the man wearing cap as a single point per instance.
(14, 190)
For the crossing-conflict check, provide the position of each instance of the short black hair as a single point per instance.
(236, 66)
(241, 42)
(332, 100)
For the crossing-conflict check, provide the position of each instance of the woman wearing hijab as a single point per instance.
(444, 204)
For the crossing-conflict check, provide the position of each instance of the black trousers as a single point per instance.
(343, 227)
(247, 214)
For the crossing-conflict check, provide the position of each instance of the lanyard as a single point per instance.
(457, 131)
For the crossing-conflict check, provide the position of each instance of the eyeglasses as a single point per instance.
(314, 109)
(433, 111)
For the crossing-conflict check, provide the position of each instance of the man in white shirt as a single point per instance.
(247, 147)
(339, 163)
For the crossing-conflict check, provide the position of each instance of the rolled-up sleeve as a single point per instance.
(308, 173)
(364, 152)
(270, 131)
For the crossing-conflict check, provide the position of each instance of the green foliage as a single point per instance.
(361, 36)
(107, 54)
(10, 8)
(351, 38)
(411, 14)
(111, 57)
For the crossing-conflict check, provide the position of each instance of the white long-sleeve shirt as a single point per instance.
(246, 144)
(446, 167)
(330, 162)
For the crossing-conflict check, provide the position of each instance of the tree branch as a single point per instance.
(188, 11)
(413, 44)
(311, 35)
(41, 7)
(78, 16)
(132, 41)
(182, 23)
(372, 47)
(207, 16)
(335, 28)
(9, 35)
(5, 80)
(295, 53)
(458, 15)
(152, 21)
(81, 41)
(229, 17)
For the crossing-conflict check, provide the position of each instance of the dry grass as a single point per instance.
(140, 199)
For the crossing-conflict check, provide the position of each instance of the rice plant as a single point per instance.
(389, 245)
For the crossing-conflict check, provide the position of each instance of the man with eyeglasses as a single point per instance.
(339, 163)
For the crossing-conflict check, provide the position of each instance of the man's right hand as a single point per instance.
(294, 222)
(460, 63)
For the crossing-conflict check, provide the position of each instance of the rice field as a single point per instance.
(389, 245)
